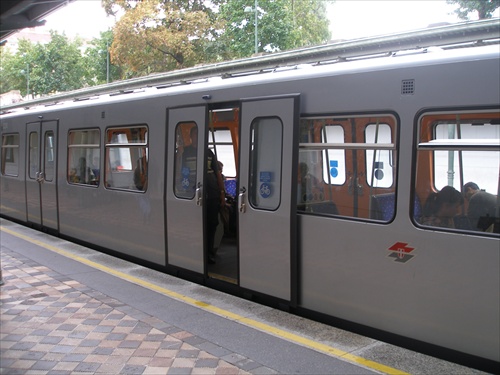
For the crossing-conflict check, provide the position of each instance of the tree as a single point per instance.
(281, 25)
(57, 66)
(8, 66)
(98, 66)
(16, 68)
(38, 69)
(160, 35)
(484, 8)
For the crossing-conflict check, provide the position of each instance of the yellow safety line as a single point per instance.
(216, 310)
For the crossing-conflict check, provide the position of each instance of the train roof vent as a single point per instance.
(407, 87)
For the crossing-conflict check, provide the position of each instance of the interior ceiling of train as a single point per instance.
(16, 15)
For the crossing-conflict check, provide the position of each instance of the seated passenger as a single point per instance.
(141, 174)
(481, 204)
(85, 174)
(308, 185)
(95, 168)
(441, 207)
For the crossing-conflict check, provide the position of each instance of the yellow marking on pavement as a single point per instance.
(216, 310)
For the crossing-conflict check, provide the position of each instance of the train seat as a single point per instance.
(325, 208)
(230, 186)
(417, 210)
(382, 206)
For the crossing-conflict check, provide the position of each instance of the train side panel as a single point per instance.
(12, 185)
(120, 218)
(444, 287)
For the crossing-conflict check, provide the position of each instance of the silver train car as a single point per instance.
(334, 175)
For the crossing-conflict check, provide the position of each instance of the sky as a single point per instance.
(349, 19)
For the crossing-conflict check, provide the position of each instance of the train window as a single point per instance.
(265, 163)
(84, 150)
(33, 167)
(186, 158)
(221, 143)
(458, 171)
(347, 166)
(10, 155)
(126, 158)
(378, 162)
(333, 159)
(49, 161)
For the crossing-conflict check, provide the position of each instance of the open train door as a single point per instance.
(267, 195)
(184, 188)
(41, 176)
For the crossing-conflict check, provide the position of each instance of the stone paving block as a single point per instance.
(54, 325)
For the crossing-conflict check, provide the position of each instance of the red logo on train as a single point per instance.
(401, 252)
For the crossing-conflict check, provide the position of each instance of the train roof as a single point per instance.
(462, 42)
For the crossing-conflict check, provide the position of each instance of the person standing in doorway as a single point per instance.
(214, 193)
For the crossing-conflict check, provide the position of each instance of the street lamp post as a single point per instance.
(27, 79)
(27, 73)
(249, 10)
(107, 61)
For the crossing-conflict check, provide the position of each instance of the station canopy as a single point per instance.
(16, 15)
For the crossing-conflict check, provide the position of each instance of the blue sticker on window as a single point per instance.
(334, 164)
(265, 190)
(266, 176)
(185, 178)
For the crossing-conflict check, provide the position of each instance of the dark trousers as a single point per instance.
(212, 223)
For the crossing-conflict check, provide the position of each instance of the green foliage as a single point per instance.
(98, 67)
(57, 66)
(10, 72)
(44, 69)
(162, 35)
(484, 8)
(281, 25)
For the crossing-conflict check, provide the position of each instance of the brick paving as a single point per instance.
(51, 324)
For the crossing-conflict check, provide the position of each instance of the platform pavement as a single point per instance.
(61, 315)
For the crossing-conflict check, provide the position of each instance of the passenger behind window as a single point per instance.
(307, 185)
(141, 174)
(85, 174)
(482, 207)
(95, 167)
(73, 176)
(442, 207)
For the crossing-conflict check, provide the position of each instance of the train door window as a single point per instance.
(10, 155)
(84, 153)
(33, 167)
(265, 163)
(49, 161)
(457, 151)
(186, 159)
(347, 167)
(126, 158)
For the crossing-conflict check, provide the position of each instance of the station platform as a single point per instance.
(68, 309)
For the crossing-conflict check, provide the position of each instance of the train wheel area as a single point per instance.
(69, 308)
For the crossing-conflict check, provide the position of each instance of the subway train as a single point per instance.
(343, 191)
